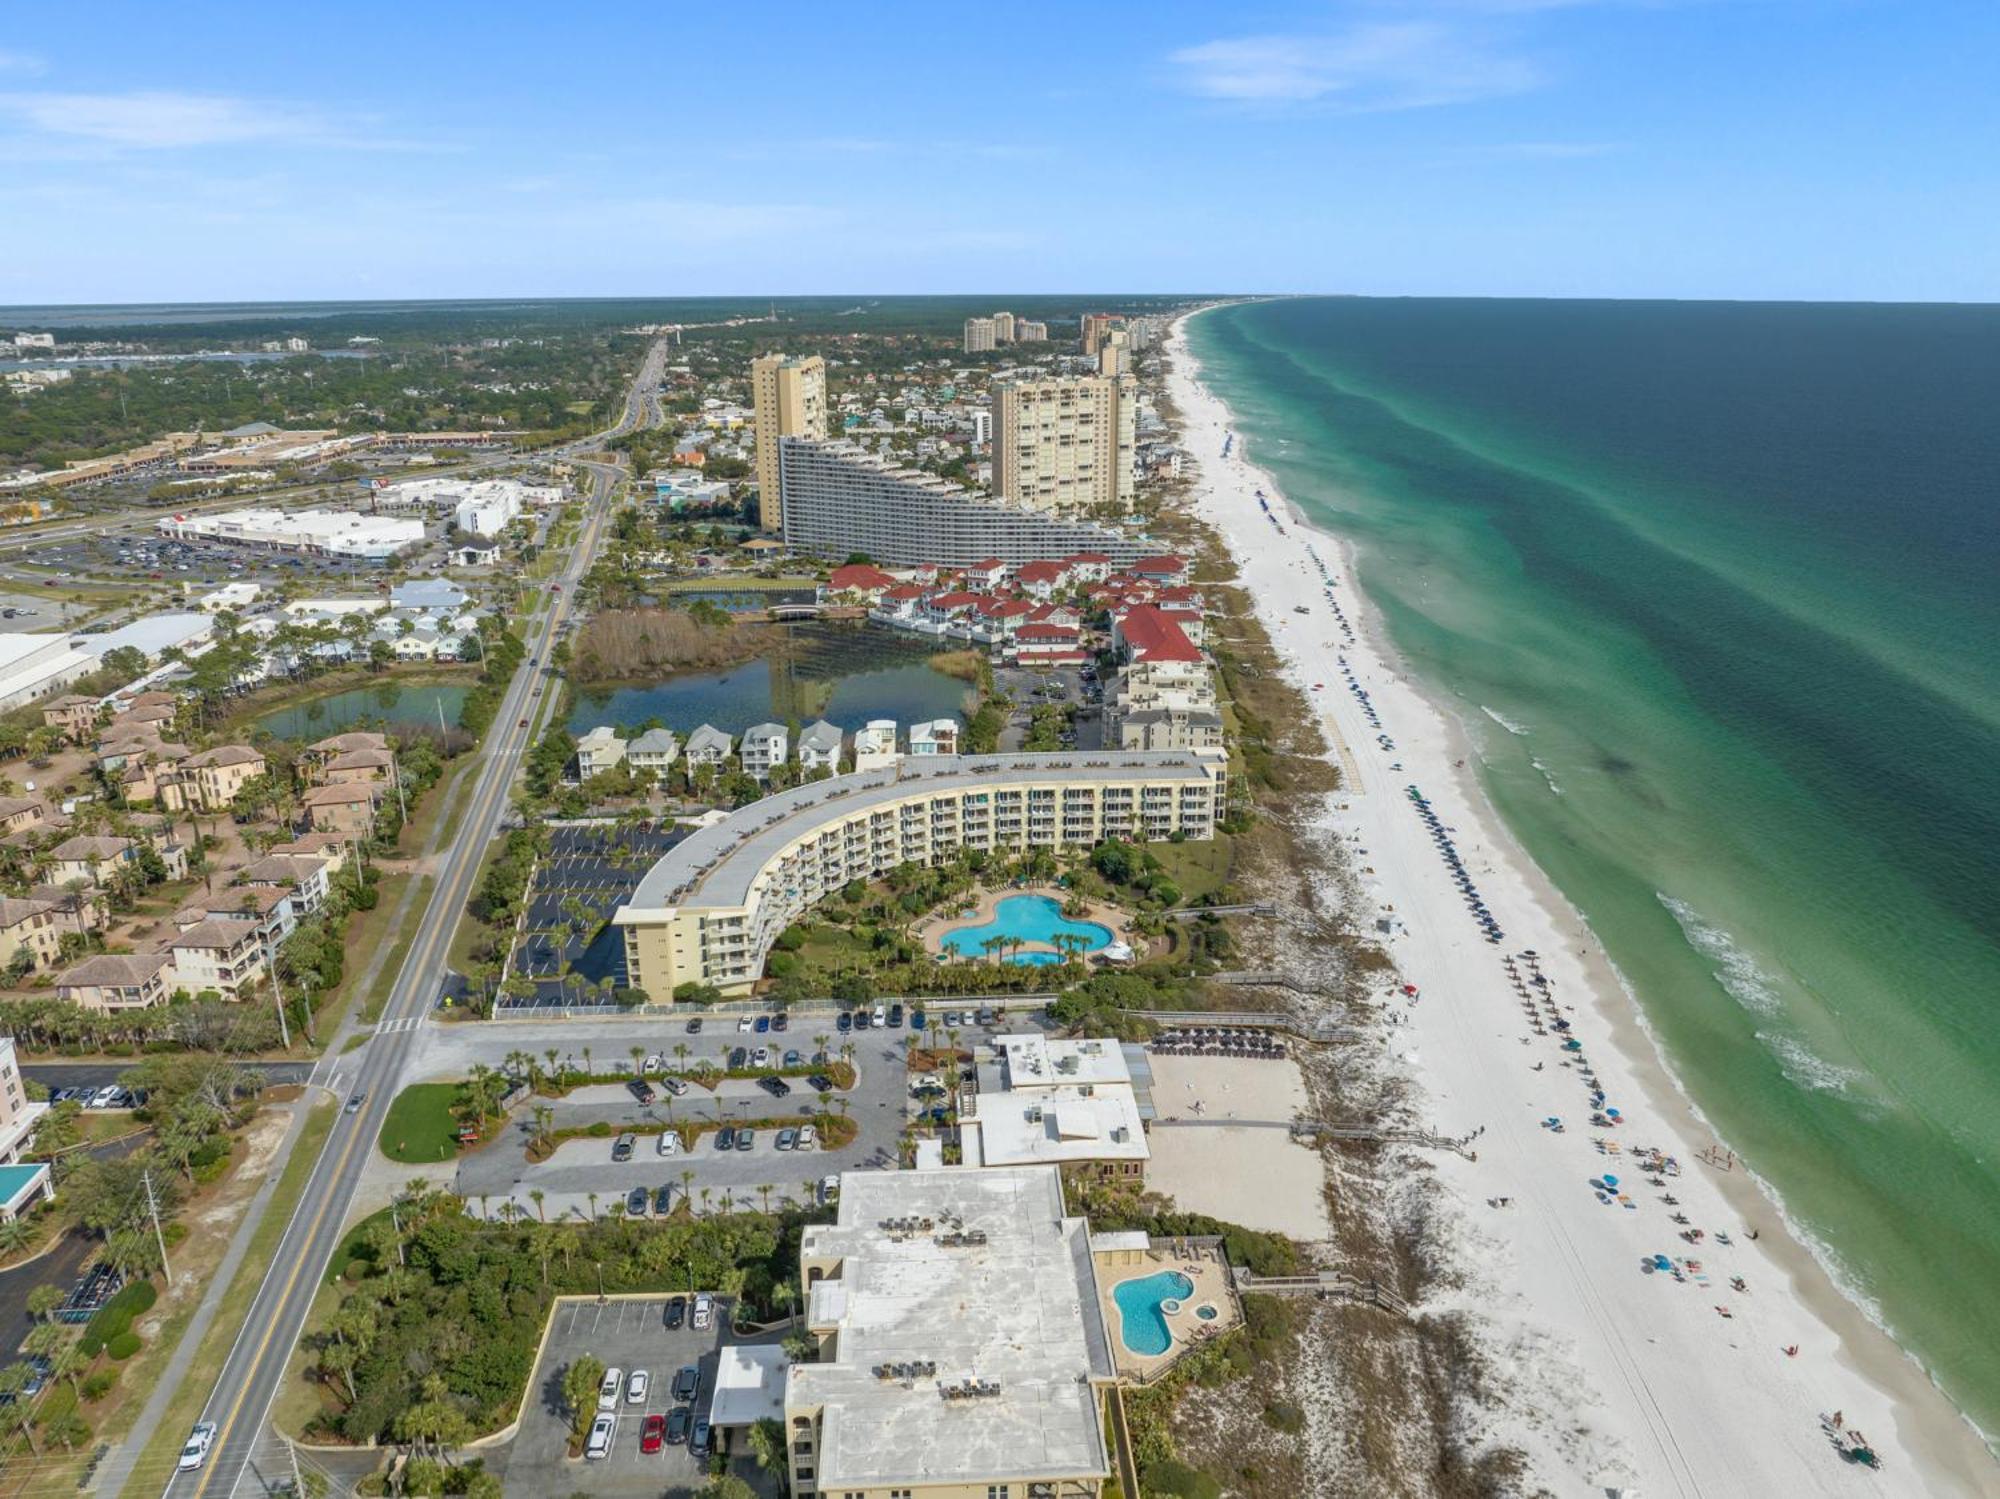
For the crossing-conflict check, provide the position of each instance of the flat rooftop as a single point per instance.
(1017, 1312)
(717, 865)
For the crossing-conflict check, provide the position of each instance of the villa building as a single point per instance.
(1043, 1101)
(110, 982)
(763, 749)
(598, 751)
(709, 910)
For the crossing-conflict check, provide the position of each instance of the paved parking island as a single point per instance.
(624, 1335)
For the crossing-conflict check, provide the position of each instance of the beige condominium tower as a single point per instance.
(1064, 443)
(790, 398)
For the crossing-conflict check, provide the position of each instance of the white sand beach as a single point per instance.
(1672, 1382)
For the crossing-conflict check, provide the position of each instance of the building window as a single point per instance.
(997, 1491)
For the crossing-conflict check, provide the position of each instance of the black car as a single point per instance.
(738, 1057)
(694, 1026)
(687, 1384)
(819, 1082)
(677, 1313)
(895, 1017)
(779, 1022)
(641, 1090)
(679, 1419)
(725, 1138)
(844, 1023)
(621, 1148)
(777, 1087)
(663, 1201)
(635, 1202)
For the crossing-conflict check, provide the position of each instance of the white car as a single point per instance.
(808, 1138)
(880, 1019)
(104, 1097)
(637, 1386)
(199, 1441)
(670, 1142)
(761, 1057)
(655, 1063)
(607, 1393)
(704, 1311)
(602, 1430)
(744, 1024)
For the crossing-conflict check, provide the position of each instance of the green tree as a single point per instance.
(580, 1383)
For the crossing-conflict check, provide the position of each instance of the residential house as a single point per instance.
(92, 859)
(1163, 569)
(598, 751)
(226, 956)
(937, 737)
(348, 809)
(118, 981)
(18, 812)
(858, 582)
(29, 926)
(359, 767)
(764, 748)
(209, 781)
(1041, 580)
(707, 745)
(988, 574)
(819, 747)
(429, 596)
(307, 879)
(316, 757)
(75, 716)
(875, 745)
(331, 849)
(655, 750)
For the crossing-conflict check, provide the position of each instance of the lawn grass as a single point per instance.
(1200, 867)
(206, 1367)
(419, 1128)
(385, 980)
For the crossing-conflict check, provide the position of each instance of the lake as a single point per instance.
(844, 673)
(384, 706)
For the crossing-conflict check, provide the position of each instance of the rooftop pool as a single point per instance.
(1033, 920)
(1142, 1319)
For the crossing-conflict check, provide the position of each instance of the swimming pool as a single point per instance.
(1035, 920)
(1142, 1321)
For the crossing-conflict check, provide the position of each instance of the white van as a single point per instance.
(607, 1392)
(602, 1430)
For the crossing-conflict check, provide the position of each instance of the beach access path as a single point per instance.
(1605, 1375)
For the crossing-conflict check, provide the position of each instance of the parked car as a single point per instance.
(687, 1383)
(843, 1022)
(670, 1142)
(674, 1085)
(704, 1311)
(637, 1386)
(808, 1138)
(895, 1017)
(763, 1024)
(880, 1017)
(698, 1444)
(694, 1025)
(819, 1082)
(678, 1424)
(779, 1022)
(744, 1025)
(663, 1201)
(725, 1138)
(739, 1057)
(621, 1148)
(987, 1016)
(761, 1057)
(677, 1310)
(653, 1435)
(791, 1059)
(602, 1431)
(195, 1453)
(787, 1138)
(654, 1063)
(641, 1090)
(102, 1098)
(829, 1189)
(746, 1139)
(918, 1020)
(635, 1202)
(607, 1391)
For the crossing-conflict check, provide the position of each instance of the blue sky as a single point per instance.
(1680, 148)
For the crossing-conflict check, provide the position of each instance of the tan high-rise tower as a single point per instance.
(1003, 327)
(1065, 444)
(790, 399)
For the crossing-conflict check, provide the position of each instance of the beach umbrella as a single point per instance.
(1610, 1181)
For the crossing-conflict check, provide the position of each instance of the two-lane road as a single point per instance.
(256, 1368)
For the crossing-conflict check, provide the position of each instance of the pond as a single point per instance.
(844, 673)
(384, 705)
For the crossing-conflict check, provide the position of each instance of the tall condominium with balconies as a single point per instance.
(980, 334)
(1065, 444)
(1003, 327)
(790, 399)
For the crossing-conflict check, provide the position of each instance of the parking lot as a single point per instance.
(624, 1335)
(588, 874)
(1065, 685)
(146, 556)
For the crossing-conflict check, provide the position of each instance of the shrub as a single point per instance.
(99, 1384)
(1169, 1476)
(1282, 1415)
(599, 1130)
(123, 1346)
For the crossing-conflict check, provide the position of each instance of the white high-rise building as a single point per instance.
(1065, 444)
(979, 335)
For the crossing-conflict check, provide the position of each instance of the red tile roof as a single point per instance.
(859, 577)
(1152, 635)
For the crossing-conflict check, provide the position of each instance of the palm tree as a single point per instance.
(593, 1205)
(537, 1196)
(764, 1191)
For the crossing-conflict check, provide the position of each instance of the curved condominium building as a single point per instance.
(708, 912)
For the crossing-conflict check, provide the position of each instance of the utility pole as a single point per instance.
(153, 1207)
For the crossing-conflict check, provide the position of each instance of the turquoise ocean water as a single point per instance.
(1717, 588)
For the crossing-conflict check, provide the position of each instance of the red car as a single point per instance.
(653, 1435)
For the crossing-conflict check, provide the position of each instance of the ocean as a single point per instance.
(1715, 587)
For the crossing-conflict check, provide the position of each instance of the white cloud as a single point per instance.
(1373, 66)
(160, 120)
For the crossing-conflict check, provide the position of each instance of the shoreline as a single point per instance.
(1580, 1320)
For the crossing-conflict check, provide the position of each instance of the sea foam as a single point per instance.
(1505, 722)
(1735, 969)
